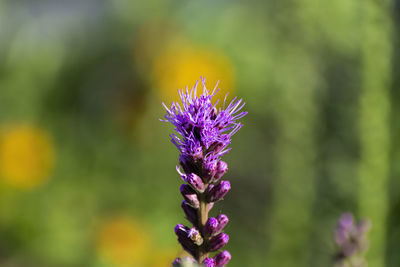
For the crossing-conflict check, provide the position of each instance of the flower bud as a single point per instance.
(209, 170)
(189, 195)
(219, 191)
(195, 236)
(216, 147)
(222, 168)
(182, 232)
(210, 228)
(222, 258)
(222, 222)
(190, 212)
(209, 262)
(194, 181)
(218, 241)
(188, 164)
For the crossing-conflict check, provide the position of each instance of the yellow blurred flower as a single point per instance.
(179, 66)
(124, 242)
(26, 156)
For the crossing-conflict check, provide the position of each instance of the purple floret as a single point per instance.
(205, 131)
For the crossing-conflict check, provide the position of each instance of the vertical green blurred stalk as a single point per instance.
(294, 187)
(296, 113)
(374, 123)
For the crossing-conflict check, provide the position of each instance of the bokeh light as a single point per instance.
(26, 156)
(179, 66)
(124, 242)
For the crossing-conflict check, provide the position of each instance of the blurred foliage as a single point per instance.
(87, 172)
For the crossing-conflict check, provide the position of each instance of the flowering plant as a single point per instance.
(350, 238)
(204, 135)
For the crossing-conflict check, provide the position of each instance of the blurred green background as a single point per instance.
(87, 172)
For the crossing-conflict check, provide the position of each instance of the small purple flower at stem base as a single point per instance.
(350, 237)
(222, 258)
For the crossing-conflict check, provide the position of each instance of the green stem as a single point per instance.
(203, 217)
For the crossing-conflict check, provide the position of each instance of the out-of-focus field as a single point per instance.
(87, 171)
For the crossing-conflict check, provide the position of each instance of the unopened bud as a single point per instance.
(222, 222)
(222, 258)
(222, 168)
(209, 262)
(190, 212)
(218, 242)
(209, 171)
(210, 228)
(182, 232)
(189, 195)
(194, 181)
(219, 191)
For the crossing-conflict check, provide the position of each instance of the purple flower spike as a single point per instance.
(218, 241)
(189, 195)
(203, 134)
(209, 262)
(350, 237)
(219, 191)
(222, 258)
(211, 226)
